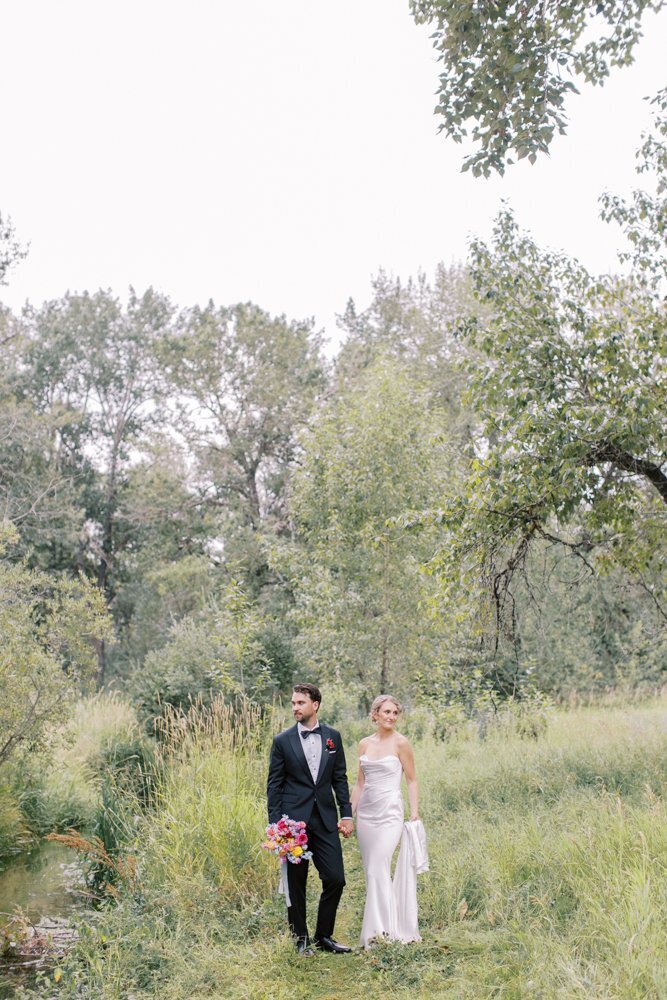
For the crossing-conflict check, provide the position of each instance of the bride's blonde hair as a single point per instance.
(379, 701)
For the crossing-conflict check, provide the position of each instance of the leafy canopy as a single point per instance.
(373, 451)
(509, 67)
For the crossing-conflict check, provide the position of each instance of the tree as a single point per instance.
(94, 362)
(38, 491)
(569, 381)
(219, 648)
(643, 218)
(163, 571)
(11, 250)
(373, 451)
(246, 383)
(48, 629)
(582, 632)
(508, 67)
(414, 321)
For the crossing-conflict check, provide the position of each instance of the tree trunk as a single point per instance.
(253, 496)
(106, 560)
(384, 669)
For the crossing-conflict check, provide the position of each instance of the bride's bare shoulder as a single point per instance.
(402, 742)
(363, 743)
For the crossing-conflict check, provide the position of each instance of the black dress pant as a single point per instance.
(328, 859)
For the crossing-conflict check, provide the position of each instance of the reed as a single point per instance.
(205, 832)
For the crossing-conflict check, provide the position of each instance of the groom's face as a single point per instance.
(304, 709)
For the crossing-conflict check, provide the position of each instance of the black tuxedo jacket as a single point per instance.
(290, 788)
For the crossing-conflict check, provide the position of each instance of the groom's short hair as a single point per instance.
(311, 690)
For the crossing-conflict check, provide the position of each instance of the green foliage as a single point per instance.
(14, 835)
(48, 628)
(51, 799)
(372, 452)
(246, 383)
(37, 490)
(566, 373)
(59, 787)
(127, 773)
(414, 322)
(569, 384)
(642, 219)
(587, 633)
(162, 572)
(11, 250)
(159, 594)
(220, 649)
(92, 361)
(211, 816)
(509, 68)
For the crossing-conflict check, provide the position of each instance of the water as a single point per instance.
(42, 885)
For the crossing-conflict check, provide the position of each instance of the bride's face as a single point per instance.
(386, 716)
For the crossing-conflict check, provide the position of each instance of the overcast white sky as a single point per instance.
(278, 152)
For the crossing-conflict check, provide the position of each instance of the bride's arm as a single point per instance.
(356, 791)
(407, 759)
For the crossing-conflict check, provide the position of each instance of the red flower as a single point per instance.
(330, 745)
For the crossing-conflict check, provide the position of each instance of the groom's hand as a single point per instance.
(346, 827)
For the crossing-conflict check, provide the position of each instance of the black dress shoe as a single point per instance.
(328, 944)
(304, 947)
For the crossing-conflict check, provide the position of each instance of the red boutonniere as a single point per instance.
(331, 747)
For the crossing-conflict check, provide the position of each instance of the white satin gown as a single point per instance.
(379, 828)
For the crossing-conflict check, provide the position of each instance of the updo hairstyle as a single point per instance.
(379, 701)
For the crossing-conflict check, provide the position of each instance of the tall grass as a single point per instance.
(64, 791)
(210, 813)
(14, 834)
(548, 873)
(61, 787)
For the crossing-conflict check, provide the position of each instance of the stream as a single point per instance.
(42, 885)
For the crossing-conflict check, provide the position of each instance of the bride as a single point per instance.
(384, 757)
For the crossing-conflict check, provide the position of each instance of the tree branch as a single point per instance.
(605, 451)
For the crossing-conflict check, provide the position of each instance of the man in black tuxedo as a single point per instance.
(306, 768)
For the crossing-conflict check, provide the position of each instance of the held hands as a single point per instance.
(346, 827)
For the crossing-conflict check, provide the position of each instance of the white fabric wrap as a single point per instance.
(283, 887)
(412, 861)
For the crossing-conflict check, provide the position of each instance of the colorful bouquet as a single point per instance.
(288, 841)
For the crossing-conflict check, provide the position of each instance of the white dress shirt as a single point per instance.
(312, 748)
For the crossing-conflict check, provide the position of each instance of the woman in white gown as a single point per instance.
(377, 802)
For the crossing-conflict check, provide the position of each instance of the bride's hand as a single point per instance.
(414, 817)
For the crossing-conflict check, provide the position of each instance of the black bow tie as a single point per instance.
(310, 732)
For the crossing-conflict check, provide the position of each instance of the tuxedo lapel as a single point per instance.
(324, 759)
(297, 749)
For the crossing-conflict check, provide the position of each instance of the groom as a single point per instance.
(306, 768)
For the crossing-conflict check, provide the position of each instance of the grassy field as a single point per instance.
(548, 874)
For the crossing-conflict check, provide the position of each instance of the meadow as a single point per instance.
(548, 869)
